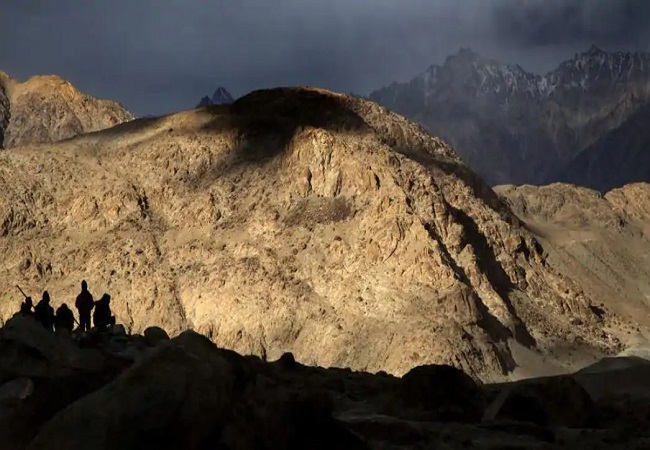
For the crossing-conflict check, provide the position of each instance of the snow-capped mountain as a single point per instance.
(595, 69)
(480, 76)
(513, 126)
(484, 77)
(220, 97)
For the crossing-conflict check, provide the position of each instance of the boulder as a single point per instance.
(117, 330)
(272, 417)
(155, 335)
(287, 361)
(178, 396)
(441, 393)
(556, 401)
(16, 390)
(20, 420)
(399, 432)
(27, 349)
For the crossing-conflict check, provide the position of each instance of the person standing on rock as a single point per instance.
(84, 305)
(102, 316)
(64, 319)
(43, 312)
(26, 308)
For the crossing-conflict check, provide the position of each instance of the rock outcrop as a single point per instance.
(5, 112)
(293, 220)
(188, 393)
(48, 109)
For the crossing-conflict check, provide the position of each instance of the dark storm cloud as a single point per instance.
(561, 22)
(162, 55)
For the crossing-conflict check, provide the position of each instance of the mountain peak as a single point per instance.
(464, 55)
(48, 108)
(221, 96)
(221, 91)
(4, 77)
(594, 50)
(467, 52)
(596, 68)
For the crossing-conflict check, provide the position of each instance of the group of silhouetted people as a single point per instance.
(64, 319)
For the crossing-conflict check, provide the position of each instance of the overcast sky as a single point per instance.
(157, 56)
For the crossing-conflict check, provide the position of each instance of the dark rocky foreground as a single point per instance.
(111, 390)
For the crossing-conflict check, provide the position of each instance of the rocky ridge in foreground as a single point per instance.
(112, 390)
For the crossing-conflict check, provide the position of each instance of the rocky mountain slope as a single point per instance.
(602, 241)
(293, 220)
(48, 108)
(620, 157)
(512, 126)
(220, 97)
(105, 390)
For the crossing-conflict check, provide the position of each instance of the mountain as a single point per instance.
(294, 220)
(220, 97)
(621, 156)
(513, 126)
(47, 109)
(603, 241)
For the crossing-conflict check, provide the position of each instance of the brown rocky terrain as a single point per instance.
(104, 390)
(48, 108)
(603, 241)
(294, 220)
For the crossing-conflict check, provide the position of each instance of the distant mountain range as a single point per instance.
(618, 157)
(221, 96)
(513, 126)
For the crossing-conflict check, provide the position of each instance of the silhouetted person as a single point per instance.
(26, 308)
(64, 319)
(102, 316)
(84, 305)
(43, 312)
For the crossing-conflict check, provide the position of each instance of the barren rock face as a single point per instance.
(4, 107)
(632, 200)
(292, 220)
(48, 109)
(602, 241)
